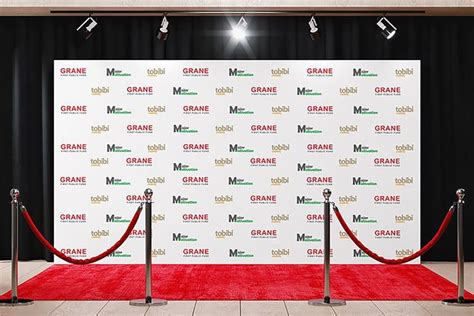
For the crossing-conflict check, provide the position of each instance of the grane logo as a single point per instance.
(73, 109)
(319, 72)
(320, 109)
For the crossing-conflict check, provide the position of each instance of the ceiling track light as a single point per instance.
(388, 29)
(162, 33)
(239, 31)
(313, 29)
(85, 29)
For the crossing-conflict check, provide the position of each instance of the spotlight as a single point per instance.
(388, 29)
(239, 31)
(162, 33)
(313, 29)
(86, 27)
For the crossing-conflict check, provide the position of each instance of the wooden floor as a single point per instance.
(229, 308)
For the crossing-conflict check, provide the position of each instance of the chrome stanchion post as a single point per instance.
(14, 300)
(148, 301)
(326, 300)
(460, 300)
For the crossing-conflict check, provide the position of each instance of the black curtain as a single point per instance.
(30, 44)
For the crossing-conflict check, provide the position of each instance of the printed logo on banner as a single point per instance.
(139, 161)
(388, 91)
(99, 233)
(75, 180)
(320, 109)
(73, 71)
(307, 92)
(348, 129)
(264, 90)
(183, 91)
(73, 109)
(99, 199)
(359, 72)
(74, 252)
(114, 110)
(387, 162)
(119, 254)
(347, 199)
(196, 148)
(223, 199)
(135, 199)
(222, 162)
(319, 72)
(224, 129)
(301, 199)
(263, 199)
(155, 109)
(358, 253)
(155, 72)
(402, 253)
(114, 72)
(263, 129)
(363, 149)
(139, 128)
(387, 199)
(387, 129)
(182, 129)
(235, 218)
(98, 162)
(320, 148)
(155, 253)
(73, 148)
(280, 148)
(178, 199)
(303, 237)
(178, 166)
(404, 109)
(279, 218)
(404, 72)
(113, 218)
(404, 148)
(237, 253)
(280, 109)
(116, 181)
(153, 181)
(318, 253)
(236, 148)
(140, 90)
(280, 253)
(317, 218)
(157, 218)
(344, 235)
(306, 129)
(100, 129)
(403, 181)
(319, 180)
(224, 91)
(100, 91)
(183, 237)
(154, 148)
(196, 109)
(195, 72)
(195, 218)
(196, 252)
(279, 181)
(114, 148)
(280, 72)
(263, 161)
(359, 110)
(137, 234)
(387, 233)
(404, 218)
(347, 91)
(362, 181)
(224, 233)
(238, 110)
(66, 217)
(235, 72)
(362, 219)
(264, 233)
(195, 180)
(238, 181)
(347, 162)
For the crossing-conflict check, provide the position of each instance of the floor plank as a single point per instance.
(400, 308)
(448, 270)
(217, 308)
(436, 308)
(302, 308)
(38, 308)
(357, 308)
(178, 308)
(79, 308)
(122, 308)
(26, 270)
(254, 308)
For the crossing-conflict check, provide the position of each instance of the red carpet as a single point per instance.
(238, 282)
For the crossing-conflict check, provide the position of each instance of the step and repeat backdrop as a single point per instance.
(237, 154)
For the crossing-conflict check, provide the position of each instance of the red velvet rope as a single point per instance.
(373, 255)
(58, 253)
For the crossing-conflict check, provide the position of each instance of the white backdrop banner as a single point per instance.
(237, 154)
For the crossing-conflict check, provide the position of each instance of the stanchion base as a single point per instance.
(457, 302)
(323, 302)
(17, 302)
(143, 302)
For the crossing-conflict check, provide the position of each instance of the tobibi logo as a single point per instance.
(73, 72)
(158, 252)
(263, 90)
(363, 219)
(97, 162)
(387, 234)
(358, 253)
(114, 148)
(196, 252)
(280, 109)
(139, 161)
(156, 218)
(195, 109)
(117, 110)
(386, 199)
(347, 199)
(307, 92)
(97, 234)
(224, 90)
(74, 252)
(195, 218)
(155, 72)
(404, 218)
(318, 252)
(234, 218)
(361, 181)
(404, 148)
(153, 181)
(183, 129)
(81, 180)
(73, 148)
(72, 218)
(112, 218)
(364, 111)
(317, 218)
(99, 199)
(154, 110)
(279, 180)
(99, 129)
(139, 90)
(239, 110)
(319, 181)
(347, 162)
(73, 109)
(280, 253)
(279, 148)
(222, 162)
(347, 91)
(183, 238)
(237, 253)
(183, 167)
(386, 91)
(178, 199)
(320, 109)
(113, 72)
(223, 129)
(183, 91)
(404, 109)
(306, 238)
(402, 253)
(263, 233)
(135, 199)
(137, 233)
(359, 72)
(344, 235)
(224, 234)
(403, 181)
(154, 148)
(387, 129)
(280, 218)
(320, 148)
(263, 162)
(263, 199)
(234, 72)
(196, 148)
(306, 200)
(239, 149)
(119, 254)
(387, 162)
(347, 129)
(195, 180)
(195, 72)
(280, 72)
(305, 129)
(100, 90)
(403, 72)
(223, 199)
(238, 181)
(263, 129)
(319, 72)
(139, 128)
(359, 148)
